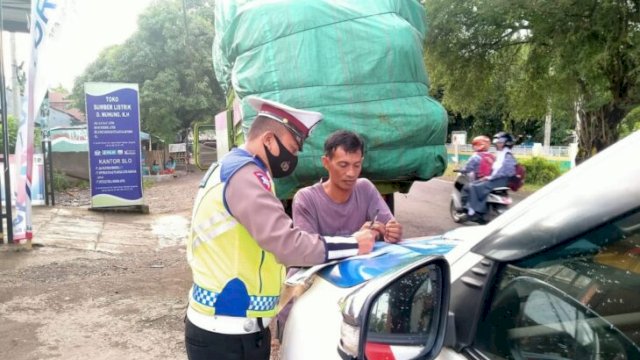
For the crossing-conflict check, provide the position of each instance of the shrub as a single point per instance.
(62, 182)
(540, 171)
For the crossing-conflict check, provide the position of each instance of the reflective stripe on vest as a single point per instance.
(257, 303)
(224, 257)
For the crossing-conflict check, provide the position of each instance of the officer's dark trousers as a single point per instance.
(206, 345)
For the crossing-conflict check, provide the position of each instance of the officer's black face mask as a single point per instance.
(282, 165)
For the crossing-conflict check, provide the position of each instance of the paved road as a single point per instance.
(425, 209)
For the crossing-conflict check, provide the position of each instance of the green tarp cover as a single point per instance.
(360, 63)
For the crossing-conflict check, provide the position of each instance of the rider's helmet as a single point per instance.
(504, 138)
(481, 143)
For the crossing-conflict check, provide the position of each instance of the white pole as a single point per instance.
(454, 140)
(578, 121)
(547, 132)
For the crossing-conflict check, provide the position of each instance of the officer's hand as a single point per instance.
(377, 226)
(366, 238)
(393, 232)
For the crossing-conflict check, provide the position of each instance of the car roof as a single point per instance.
(593, 193)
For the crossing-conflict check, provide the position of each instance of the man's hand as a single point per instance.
(377, 226)
(393, 232)
(366, 238)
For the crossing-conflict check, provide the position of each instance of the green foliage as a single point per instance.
(60, 181)
(524, 59)
(448, 173)
(13, 131)
(147, 183)
(540, 171)
(631, 122)
(60, 89)
(169, 57)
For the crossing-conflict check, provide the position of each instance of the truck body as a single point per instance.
(360, 63)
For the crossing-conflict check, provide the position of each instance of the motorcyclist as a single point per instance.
(481, 162)
(503, 168)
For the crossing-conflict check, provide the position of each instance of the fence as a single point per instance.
(562, 155)
(552, 151)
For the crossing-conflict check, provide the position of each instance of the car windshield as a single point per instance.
(601, 269)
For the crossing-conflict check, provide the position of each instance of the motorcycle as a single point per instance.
(498, 201)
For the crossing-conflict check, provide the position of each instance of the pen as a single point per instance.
(375, 217)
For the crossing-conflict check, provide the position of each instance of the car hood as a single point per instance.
(385, 258)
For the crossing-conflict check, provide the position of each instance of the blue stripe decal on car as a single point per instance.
(385, 258)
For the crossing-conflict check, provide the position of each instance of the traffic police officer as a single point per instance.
(241, 239)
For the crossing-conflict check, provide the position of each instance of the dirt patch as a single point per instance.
(58, 302)
(163, 194)
(62, 303)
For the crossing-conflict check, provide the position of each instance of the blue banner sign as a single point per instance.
(113, 121)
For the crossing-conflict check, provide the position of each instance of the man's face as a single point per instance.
(344, 168)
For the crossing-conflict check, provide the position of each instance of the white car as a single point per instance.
(555, 277)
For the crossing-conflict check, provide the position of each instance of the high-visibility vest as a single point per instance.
(232, 274)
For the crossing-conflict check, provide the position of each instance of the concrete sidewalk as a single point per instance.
(103, 231)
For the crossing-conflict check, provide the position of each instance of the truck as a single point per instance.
(359, 63)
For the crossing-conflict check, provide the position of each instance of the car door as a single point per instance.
(578, 300)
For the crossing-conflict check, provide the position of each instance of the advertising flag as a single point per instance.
(47, 17)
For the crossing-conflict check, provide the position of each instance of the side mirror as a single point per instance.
(401, 315)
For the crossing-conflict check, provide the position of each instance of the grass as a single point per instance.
(530, 188)
(61, 182)
(448, 173)
(147, 183)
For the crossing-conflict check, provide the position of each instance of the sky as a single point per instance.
(91, 27)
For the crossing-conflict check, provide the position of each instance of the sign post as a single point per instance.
(113, 129)
(458, 138)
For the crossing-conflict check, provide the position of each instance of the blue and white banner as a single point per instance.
(113, 121)
(47, 18)
(37, 184)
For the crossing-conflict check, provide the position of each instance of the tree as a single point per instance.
(170, 58)
(568, 57)
(631, 122)
(12, 123)
(13, 132)
(60, 89)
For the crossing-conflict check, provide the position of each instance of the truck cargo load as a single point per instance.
(360, 63)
